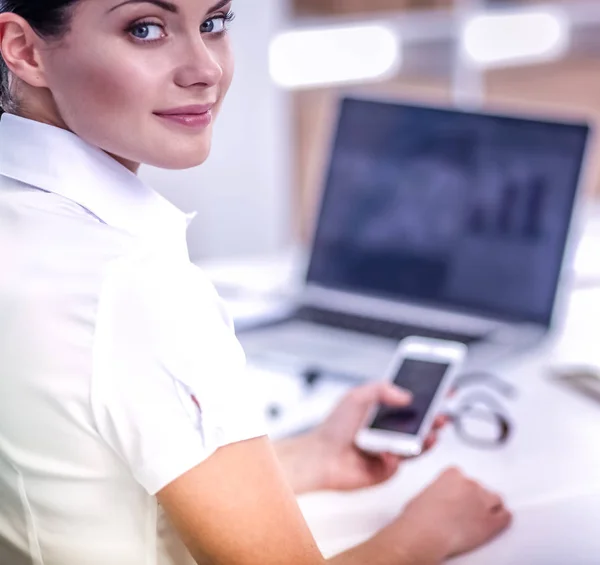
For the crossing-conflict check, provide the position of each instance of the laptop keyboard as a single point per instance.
(374, 327)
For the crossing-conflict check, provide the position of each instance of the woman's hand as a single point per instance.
(453, 516)
(328, 459)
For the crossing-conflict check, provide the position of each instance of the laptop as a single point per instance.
(434, 222)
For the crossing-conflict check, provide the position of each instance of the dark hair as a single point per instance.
(48, 18)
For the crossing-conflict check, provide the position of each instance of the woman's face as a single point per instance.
(143, 80)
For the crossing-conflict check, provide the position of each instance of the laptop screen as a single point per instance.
(456, 210)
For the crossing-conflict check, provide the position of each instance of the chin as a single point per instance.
(174, 160)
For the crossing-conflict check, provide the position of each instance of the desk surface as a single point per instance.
(553, 532)
(545, 473)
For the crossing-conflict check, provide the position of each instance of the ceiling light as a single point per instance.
(326, 56)
(518, 37)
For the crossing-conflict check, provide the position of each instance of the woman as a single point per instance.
(126, 429)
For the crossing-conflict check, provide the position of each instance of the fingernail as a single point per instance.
(403, 394)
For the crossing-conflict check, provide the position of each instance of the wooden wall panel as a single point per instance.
(336, 7)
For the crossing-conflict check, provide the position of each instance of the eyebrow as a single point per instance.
(219, 5)
(168, 6)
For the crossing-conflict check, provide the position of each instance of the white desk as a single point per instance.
(549, 473)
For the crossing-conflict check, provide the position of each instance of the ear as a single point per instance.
(19, 46)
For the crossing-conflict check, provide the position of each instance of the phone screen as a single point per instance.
(422, 379)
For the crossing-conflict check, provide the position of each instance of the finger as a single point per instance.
(502, 520)
(494, 501)
(388, 465)
(391, 395)
(378, 393)
(440, 422)
(430, 441)
(391, 459)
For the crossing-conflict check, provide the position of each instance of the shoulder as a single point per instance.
(170, 299)
(162, 341)
(158, 315)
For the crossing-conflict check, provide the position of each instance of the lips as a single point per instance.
(195, 116)
(193, 110)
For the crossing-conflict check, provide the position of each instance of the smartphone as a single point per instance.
(426, 368)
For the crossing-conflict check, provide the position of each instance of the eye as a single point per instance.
(214, 25)
(217, 24)
(147, 31)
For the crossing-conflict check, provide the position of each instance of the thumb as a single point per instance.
(364, 397)
(391, 395)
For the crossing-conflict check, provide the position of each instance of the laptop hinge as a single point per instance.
(400, 312)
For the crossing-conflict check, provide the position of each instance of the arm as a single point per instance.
(391, 547)
(237, 509)
(302, 461)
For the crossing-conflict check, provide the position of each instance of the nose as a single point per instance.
(199, 66)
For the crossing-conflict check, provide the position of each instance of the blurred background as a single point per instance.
(259, 190)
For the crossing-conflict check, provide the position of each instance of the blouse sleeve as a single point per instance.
(169, 382)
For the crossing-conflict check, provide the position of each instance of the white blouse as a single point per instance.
(119, 368)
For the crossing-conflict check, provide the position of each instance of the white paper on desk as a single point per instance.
(561, 530)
